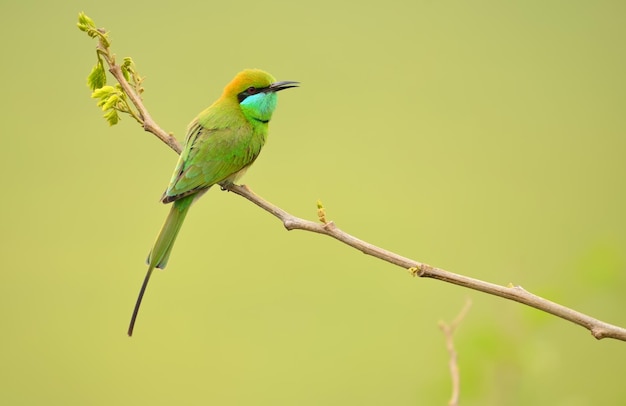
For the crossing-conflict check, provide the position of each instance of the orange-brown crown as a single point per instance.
(248, 78)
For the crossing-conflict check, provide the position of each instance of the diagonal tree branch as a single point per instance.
(146, 120)
(598, 328)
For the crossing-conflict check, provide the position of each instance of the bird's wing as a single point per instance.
(209, 157)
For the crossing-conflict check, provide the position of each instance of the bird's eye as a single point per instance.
(252, 90)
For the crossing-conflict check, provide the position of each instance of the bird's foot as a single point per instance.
(224, 186)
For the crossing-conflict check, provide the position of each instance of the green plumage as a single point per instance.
(221, 143)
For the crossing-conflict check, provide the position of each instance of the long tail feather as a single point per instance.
(160, 253)
(133, 318)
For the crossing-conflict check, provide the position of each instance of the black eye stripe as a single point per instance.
(248, 92)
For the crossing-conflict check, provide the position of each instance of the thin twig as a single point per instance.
(148, 123)
(145, 118)
(448, 331)
(598, 329)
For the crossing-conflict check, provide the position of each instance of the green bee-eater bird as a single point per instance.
(221, 143)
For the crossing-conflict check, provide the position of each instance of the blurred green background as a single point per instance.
(485, 137)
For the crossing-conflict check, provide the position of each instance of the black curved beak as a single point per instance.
(278, 86)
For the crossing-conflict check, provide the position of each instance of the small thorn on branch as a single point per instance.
(329, 226)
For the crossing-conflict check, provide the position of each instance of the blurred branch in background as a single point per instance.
(114, 99)
(448, 331)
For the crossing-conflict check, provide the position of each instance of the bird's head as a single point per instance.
(255, 91)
